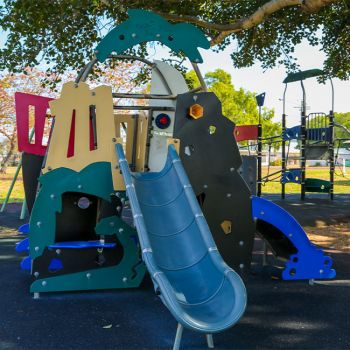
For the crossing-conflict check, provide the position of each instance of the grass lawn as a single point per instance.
(342, 185)
(5, 182)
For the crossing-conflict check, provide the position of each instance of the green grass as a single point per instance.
(342, 185)
(5, 182)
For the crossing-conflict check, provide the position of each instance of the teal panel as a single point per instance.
(311, 73)
(49, 199)
(144, 26)
(128, 273)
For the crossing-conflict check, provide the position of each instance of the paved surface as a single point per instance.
(280, 315)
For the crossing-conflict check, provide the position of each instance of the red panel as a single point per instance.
(245, 132)
(41, 104)
(70, 151)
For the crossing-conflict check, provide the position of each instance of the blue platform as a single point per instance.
(81, 245)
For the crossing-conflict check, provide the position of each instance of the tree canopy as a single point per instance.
(63, 33)
(240, 105)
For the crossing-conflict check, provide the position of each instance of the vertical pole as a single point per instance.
(259, 153)
(210, 341)
(331, 154)
(19, 166)
(11, 186)
(283, 164)
(178, 336)
(303, 142)
(331, 144)
(24, 209)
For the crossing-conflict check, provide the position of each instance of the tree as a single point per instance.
(342, 119)
(63, 33)
(120, 77)
(237, 105)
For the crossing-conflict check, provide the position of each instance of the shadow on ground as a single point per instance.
(280, 315)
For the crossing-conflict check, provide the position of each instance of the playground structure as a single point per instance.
(193, 217)
(315, 135)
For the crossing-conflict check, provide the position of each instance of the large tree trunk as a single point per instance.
(5, 161)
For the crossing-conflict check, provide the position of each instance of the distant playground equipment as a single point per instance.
(175, 165)
(316, 137)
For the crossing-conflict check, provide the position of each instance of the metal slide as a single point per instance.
(288, 240)
(194, 283)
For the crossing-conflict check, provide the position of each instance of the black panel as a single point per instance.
(74, 223)
(211, 159)
(31, 168)
(77, 260)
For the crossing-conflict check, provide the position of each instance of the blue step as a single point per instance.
(81, 245)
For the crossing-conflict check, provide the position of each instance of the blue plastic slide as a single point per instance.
(307, 261)
(194, 283)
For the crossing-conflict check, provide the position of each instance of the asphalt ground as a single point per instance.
(279, 315)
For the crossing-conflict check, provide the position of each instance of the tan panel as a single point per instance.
(79, 97)
(129, 122)
(141, 142)
(175, 142)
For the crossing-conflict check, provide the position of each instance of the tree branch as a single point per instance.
(270, 7)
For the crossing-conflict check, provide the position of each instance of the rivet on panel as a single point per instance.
(241, 266)
(36, 249)
(88, 275)
(43, 283)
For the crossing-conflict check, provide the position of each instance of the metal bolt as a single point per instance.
(241, 243)
(321, 271)
(88, 275)
(125, 279)
(58, 251)
(195, 97)
(96, 52)
(36, 274)
(232, 169)
(205, 186)
(241, 266)
(52, 196)
(80, 187)
(133, 35)
(38, 223)
(262, 213)
(43, 283)
(119, 208)
(158, 35)
(290, 235)
(121, 230)
(117, 194)
(114, 139)
(36, 249)
(228, 195)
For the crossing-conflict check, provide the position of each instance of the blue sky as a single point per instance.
(270, 81)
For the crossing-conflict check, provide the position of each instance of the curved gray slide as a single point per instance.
(194, 283)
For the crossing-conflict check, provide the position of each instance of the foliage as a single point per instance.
(237, 105)
(344, 120)
(120, 77)
(63, 33)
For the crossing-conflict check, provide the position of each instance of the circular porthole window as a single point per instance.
(83, 203)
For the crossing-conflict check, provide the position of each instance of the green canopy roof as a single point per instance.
(310, 73)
